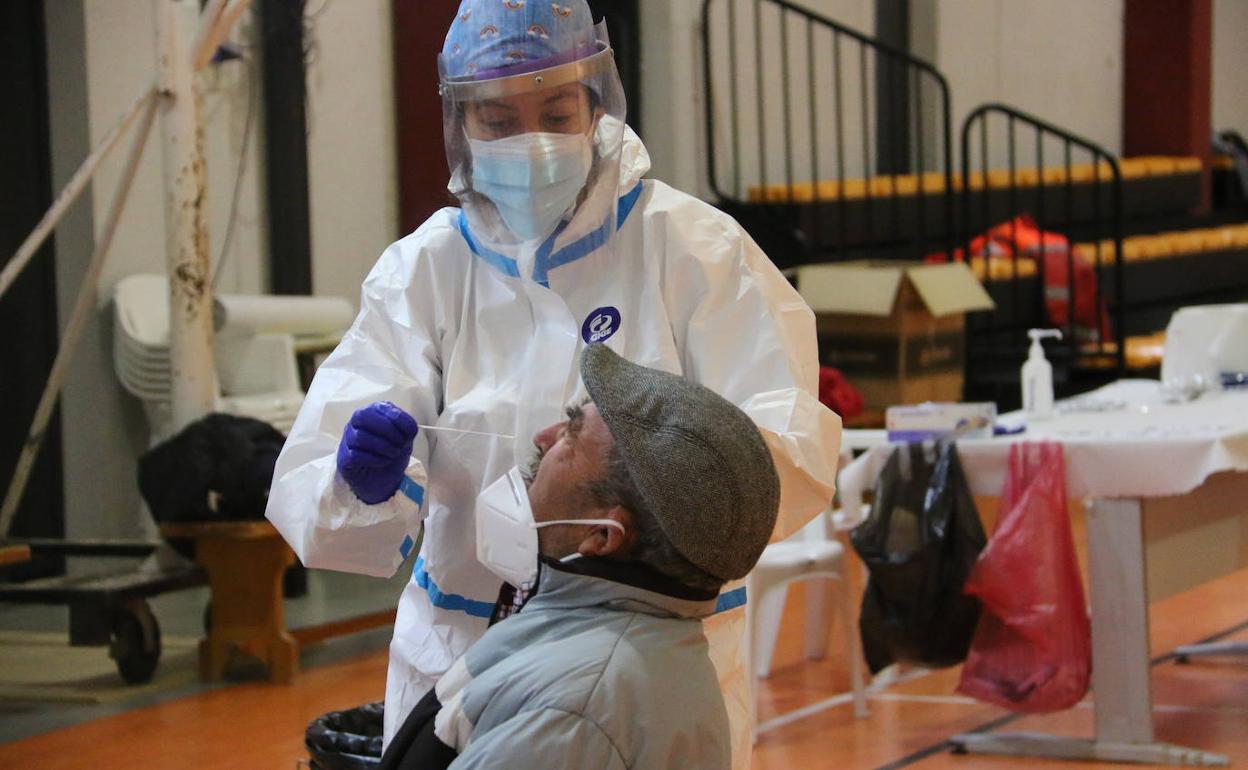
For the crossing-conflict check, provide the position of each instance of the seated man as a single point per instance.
(643, 504)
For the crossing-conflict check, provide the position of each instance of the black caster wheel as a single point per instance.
(135, 644)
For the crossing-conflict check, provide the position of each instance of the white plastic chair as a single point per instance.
(257, 373)
(1197, 336)
(1194, 338)
(812, 554)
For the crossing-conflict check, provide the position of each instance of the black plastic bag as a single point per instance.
(218, 468)
(919, 544)
(346, 740)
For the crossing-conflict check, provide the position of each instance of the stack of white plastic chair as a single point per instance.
(812, 554)
(257, 372)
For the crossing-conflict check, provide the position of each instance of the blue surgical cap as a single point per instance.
(496, 38)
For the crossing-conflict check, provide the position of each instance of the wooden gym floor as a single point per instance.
(1202, 704)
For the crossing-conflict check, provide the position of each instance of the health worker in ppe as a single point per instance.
(472, 327)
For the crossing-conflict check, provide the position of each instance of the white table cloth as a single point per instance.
(1148, 448)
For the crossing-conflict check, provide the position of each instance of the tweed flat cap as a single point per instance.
(699, 462)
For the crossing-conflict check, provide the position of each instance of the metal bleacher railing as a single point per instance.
(1072, 188)
(826, 144)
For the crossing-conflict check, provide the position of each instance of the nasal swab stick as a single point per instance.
(471, 432)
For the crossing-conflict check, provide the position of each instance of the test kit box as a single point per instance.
(937, 421)
(896, 329)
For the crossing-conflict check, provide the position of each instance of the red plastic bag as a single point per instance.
(1032, 649)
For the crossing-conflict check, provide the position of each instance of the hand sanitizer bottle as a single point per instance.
(1037, 377)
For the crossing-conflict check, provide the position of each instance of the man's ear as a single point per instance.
(608, 541)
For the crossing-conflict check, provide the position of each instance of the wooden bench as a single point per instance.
(245, 561)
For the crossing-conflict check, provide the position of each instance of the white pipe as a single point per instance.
(73, 328)
(69, 194)
(192, 366)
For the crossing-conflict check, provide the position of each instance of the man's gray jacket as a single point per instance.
(606, 668)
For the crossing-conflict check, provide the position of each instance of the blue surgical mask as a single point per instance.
(532, 179)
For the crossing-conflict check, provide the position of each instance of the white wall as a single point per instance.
(673, 88)
(1059, 59)
(671, 92)
(1230, 65)
(101, 56)
(352, 153)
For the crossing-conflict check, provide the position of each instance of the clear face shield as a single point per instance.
(534, 150)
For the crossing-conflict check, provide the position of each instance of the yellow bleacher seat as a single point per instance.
(933, 182)
(1132, 249)
(854, 188)
(802, 192)
(1144, 351)
(1054, 175)
(907, 184)
(1157, 247)
(1002, 268)
(1084, 172)
(1134, 168)
(1023, 177)
(1239, 236)
(1185, 242)
(880, 186)
(1160, 165)
(1177, 243)
(1187, 165)
(1088, 251)
(1216, 238)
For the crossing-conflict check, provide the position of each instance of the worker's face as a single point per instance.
(563, 110)
(572, 456)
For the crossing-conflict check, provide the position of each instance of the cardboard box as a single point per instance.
(896, 329)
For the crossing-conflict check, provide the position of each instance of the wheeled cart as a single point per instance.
(108, 607)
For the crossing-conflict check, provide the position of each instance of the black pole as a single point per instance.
(286, 146)
(892, 88)
(28, 312)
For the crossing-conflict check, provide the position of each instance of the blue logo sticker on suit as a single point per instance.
(600, 325)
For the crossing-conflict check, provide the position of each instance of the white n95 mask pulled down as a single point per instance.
(532, 179)
(507, 534)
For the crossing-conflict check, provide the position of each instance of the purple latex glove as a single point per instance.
(374, 451)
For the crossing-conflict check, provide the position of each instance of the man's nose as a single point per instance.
(546, 437)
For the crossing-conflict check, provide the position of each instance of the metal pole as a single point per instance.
(192, 368)
(77, 322)
(69, 194)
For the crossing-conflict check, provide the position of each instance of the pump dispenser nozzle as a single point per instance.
(1040, 334)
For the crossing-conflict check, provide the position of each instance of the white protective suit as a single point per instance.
(452, 333)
